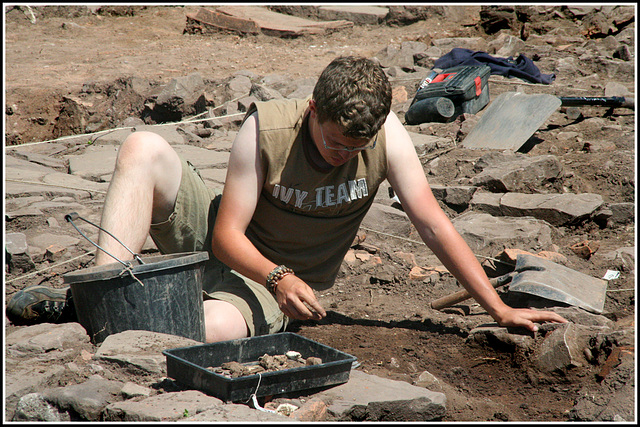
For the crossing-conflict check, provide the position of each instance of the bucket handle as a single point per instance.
(74, 215)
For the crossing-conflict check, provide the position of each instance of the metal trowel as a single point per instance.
(546, 279)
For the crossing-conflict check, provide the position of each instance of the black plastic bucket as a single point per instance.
(167, 298)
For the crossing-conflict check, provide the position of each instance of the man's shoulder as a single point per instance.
(279, 113)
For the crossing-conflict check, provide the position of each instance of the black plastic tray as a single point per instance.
(188, 366)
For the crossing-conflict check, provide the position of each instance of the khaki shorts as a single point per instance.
(189, 228)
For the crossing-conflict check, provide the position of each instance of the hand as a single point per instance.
(524, 317)
(297, 300)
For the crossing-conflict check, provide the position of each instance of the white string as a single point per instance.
(254, 399)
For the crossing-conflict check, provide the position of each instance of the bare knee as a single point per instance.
(142, 149)
(223, 321)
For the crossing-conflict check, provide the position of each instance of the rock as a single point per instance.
(399, 95)
(427, 143)
(182, 97)
(87, 399)
(202, 158)
(617, 404)
(473, 43)
(556, 209)
(117, 137)
(622, 258)
(370, 398)
(264, 92)
(33, 407)
(54, 252)
(140, 350)
(359, 15)
(428, 381)
(45, 240)
(516, 173)
(239, 86)
(312, 410)
(401, 56)
(506, 45)
(164, 407)
(245, 103)
(496, 18)
(563, 348)
(41, 159)
(130, 390)
(234, 413)
(622, 213)
(46, 337)
(18, 257)
(483, 231)
(497, 337)
(487, 202)
(387, 219)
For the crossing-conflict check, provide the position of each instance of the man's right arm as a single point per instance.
(243, 184)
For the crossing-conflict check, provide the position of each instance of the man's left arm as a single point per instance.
(406, 176)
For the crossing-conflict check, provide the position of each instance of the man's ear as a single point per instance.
(313, 107)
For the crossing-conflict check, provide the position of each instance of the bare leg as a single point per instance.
(223, 321)
(143, 189)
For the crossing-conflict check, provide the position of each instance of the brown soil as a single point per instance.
(374, 312)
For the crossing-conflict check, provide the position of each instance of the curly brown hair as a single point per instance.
(355, 93)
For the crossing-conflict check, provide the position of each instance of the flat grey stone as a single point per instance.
(33, 407)
(45, 337)
(516, 173)
(130, 390)
(387, 219)
(87, 399)
(483, 231)
(44, 240)
(141, 349)
(488, 334)
(370, 398)
(487, 202)
(232, 412)
(16, 243)
(117, 136)
(26, 178)
(26, 211)
(218, 176)
(202, 158)
(427, 143)
(28, 378)
(556, 209)
(95, 162)
(355, 14)
(162, 407)
(42, 159)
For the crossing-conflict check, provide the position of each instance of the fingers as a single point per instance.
(297, 301)
(526, 318)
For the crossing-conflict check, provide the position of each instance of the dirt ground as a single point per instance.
(374, 313)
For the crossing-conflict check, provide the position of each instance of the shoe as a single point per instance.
(41, 304)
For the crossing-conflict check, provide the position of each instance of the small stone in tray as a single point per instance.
(266, 363)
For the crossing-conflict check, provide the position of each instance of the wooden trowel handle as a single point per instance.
(463, 295)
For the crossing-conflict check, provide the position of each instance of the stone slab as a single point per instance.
(162, 407)
(483, 231)
(141, 349)
(356, 14)
(368, 397)
(87, 399)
